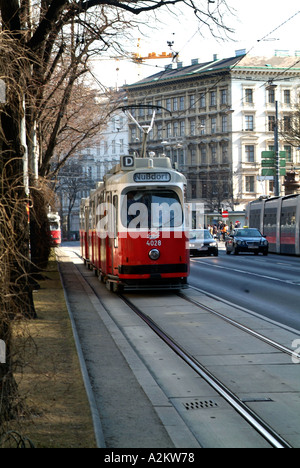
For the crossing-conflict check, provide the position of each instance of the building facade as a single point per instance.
(214, 120)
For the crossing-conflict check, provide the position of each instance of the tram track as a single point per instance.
(238, 325)
(268, 433)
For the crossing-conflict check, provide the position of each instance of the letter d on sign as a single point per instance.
(2, 352)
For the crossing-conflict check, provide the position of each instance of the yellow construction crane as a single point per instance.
(152, 56)
(137, 58)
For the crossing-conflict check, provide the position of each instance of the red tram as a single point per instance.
(279, 220)
(55, 228)
(133, 226)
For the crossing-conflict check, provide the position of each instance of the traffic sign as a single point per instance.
(268, 155)
(224, 214)
(272, 172)
(268, 163)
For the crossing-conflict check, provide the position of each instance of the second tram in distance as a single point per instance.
(133, 226)
(279, 220)
(55, 228)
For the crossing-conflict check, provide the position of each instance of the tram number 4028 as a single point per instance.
(154, 243)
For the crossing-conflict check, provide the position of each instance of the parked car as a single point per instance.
(202, 243)
(246, 240)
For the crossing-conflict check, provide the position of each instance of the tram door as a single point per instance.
(112, 241)
(109, 238)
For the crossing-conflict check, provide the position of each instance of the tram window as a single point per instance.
(288, 218)
(255, 219)
(151, 209)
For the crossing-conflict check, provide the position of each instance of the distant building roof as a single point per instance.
(177, 71)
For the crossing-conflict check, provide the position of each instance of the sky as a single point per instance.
(258, 28)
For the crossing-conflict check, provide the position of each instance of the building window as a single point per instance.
(193, 127)
(249, 123)
(193, 156)
(192, 101)
(271, 96)
(288, 153)
(213, 98)
(249, 150)
(159, 131)
(181, 158)
(224, 154)
(286, 123)
(175, 129)
(181, 103)
(168, 104)
(223, 96)
(202, 126)
(203, 154)
(158, 103)
(249, 184)
(175, 104)
(169, 130)
(182, 128)
(203, 100)
(271, 123)
(287, 96)
(133, 136)
(224, 124)
(249, 95)
(214, 154)
(213, 125)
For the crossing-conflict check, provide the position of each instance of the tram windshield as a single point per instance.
(151, 209)
(54, 226)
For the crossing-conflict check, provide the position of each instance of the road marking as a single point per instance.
(292, 282)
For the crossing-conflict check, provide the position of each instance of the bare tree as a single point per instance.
(289, 128)
(71, 182)
(38, 38)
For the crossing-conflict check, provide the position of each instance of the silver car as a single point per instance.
(201, 242)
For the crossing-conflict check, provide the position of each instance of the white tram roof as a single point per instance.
(143, 170)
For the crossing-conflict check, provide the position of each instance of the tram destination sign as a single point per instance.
(142, 177)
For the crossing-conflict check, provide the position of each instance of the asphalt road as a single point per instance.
(269, 286)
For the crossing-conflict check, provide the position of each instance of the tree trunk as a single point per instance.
(40, 238)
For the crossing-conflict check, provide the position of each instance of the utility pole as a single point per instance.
(277, 159)
(272, 87)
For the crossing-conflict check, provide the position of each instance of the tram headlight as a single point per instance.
(154, 254)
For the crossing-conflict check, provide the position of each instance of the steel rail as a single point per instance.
(271, 436)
